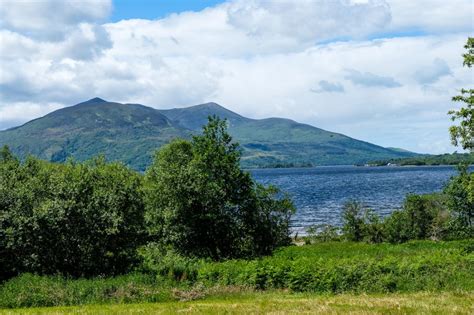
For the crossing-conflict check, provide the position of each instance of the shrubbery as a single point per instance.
(80, 219)
(88, 219)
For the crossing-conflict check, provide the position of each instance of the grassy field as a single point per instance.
(415, 277)
(285, 303)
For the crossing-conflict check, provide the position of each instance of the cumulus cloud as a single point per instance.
(50, 19)
(370, 79)
(439, 16)
(309, 21)
(431, 73)
(258, 58)
(325, 86)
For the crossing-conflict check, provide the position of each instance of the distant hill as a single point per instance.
(440, 159)
(132, 132)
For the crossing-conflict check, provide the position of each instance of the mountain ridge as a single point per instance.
(132, 132)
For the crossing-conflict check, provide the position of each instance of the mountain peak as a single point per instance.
(94, 101)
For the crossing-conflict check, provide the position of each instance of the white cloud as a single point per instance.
(432, 15)
(50, 19)
(258, 58)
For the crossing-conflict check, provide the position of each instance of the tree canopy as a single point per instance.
(463, 134)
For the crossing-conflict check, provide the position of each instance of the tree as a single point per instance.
(79, 219)
(460, 201)
(463, 134)
(202, 204)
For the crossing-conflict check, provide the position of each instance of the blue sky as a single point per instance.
(382, 71)
(155, 9)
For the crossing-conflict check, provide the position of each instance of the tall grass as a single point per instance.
(321, 268)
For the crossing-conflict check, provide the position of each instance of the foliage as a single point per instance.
(322, 233)
(353, 267)
(167, 264)
(442, 159)
(360, 223)
(202, 204)
(460, 202)
(28, 290)
(419, 219)
(463, 134)
(80, 219)
(340, 267)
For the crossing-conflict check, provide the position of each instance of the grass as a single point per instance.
(277, 302)
(327, 275)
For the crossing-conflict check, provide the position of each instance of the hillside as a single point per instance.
(131, 132)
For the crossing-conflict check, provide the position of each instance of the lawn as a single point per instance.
(277, 302)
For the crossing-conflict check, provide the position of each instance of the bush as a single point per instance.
(167, 264)
(322, 233)
(460, 202)
(415, 221)
(79, 219)
(361, 223)
(202, 204)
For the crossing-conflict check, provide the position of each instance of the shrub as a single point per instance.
(361, 223)
(166, 263)
(322, 233)
(460, 202)
(79, 219)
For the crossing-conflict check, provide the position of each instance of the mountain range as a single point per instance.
(132, 132)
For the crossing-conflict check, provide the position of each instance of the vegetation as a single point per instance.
(463, 134)
(282, 302)
(89, 219)
(77, 219)
(327, 268)
(442, 159)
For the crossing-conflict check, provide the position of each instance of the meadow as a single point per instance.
(413, 277)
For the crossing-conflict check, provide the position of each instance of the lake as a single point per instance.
(319, 193)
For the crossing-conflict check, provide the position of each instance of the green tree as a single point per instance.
(202, 204)
(80, 219)
(463, 134)
(460, 202)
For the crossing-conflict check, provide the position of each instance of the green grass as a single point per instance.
(354, 267)
(294, 276)
(285, 303)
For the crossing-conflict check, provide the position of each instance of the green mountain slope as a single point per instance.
(131, 132)
(283, 142)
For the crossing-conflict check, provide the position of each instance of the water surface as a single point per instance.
(319, 193)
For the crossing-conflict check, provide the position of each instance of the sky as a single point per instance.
(383, 71)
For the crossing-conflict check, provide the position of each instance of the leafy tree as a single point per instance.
(463, 134)
(80, 219)
(201, 203)
(460, 201)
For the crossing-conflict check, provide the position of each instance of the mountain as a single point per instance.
(132, 132)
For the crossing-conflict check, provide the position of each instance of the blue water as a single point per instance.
(319, 193)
